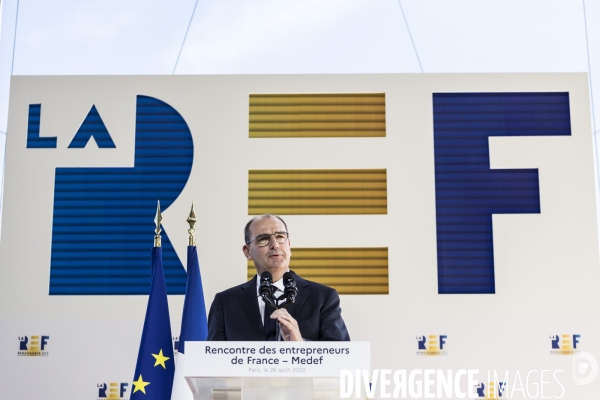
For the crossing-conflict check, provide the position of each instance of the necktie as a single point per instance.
(269, 324)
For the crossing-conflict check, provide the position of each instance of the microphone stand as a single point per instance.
(269, 301)
(278, 331)
(287, 300)
(276, 305)
(272, 302)
(281, 302)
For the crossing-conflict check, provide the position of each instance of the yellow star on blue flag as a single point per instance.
(160, 359)
(140, 385)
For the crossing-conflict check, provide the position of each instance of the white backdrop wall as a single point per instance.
(546, 265)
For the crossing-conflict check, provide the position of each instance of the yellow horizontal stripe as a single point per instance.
(362, 290)
(317, 175)
(341, 251)
(332, 281)
(316, 211)
(320, 98)
(317, 192)
(306, 95)
(315, 134)
(332, 202)
(309, 134)
(359, 289)
(359, 270)
(317, 185)
(375, 260)
(291, 195)
(322, 117)
(328, 253)
(275, 194)
(332, 109)
(322, 102)
(335, 262)
(354, 280)
(341, 266)
(317, 115)
(312, 126)
(340, 171)
(341, 274)
(367, 255)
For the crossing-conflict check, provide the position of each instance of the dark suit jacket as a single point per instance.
(234, 313)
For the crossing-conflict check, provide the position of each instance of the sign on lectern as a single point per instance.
(271, 370)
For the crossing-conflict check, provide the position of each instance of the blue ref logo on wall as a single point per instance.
(107, 252)
(114, 390)
(33, 346)
(175, 344)
(492, 392)
(565, 344)
(432, 345)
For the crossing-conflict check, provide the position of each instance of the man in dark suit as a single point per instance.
(240, 314)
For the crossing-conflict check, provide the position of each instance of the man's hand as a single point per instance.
(288, 325)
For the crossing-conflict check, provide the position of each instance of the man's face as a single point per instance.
(274, 257)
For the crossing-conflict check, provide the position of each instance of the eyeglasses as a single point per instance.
(265, 239)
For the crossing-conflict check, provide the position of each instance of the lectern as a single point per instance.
(271, 370)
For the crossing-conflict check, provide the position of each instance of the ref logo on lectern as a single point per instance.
(33, 346)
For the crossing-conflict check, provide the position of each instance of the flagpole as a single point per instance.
(158, 230)
(191, 220)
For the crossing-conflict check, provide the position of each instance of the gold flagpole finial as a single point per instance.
(157, 221)
(191, 219)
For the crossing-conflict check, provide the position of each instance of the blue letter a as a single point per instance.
(92, 126)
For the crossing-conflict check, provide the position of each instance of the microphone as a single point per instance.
(290, 290)
(265, 290)
(266, 280)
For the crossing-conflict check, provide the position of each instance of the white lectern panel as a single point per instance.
(271, 370)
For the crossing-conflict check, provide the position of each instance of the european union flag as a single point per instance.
(153, 379)
(193, 322)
